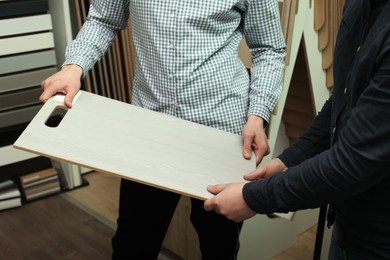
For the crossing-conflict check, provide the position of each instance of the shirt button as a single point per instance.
(358, 49)
(334, 130)
(345, 91)
(170, 76)
(171, 46)
(173, 15)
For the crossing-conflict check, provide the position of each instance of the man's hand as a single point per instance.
(266, 170)
(66, 81)
(229, 202)
(255, 139)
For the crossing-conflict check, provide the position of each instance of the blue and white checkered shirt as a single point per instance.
(187, 62)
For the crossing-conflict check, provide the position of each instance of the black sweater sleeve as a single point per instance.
(357, 162)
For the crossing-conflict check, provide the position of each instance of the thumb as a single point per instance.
(257, 174)
(247, 147)
(209, 204)
(215, 189)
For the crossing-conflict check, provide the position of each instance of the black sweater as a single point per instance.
(344, 157)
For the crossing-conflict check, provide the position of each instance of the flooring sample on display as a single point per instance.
(23, 25)
(19, 116)
(22, 7)
(319, 14)
(10, 203)
(137, 144)
(26, 43)
(20, 98)
(20, 168)
(25, 80)
(9, 155)
(28, 61)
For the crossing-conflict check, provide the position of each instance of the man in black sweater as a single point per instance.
(344, 157)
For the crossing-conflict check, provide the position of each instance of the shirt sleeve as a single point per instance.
(105, 18)
(357, 162)
(263, 34)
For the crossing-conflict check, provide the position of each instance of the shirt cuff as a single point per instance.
(79, 62)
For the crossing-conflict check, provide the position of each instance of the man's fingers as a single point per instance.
(256, 174)
(251, 176)
(215, 189)
(247, 147)
(50, 89)
(209, 204)
(69, 97)
(46, 94)
(260, 153)
(259, 156)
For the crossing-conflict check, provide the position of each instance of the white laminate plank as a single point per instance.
(23, 25)
(138, 144)
(18, 116)
(15, 99)
(28, 61)
(9, 155)
(14, 45)
(25, 79)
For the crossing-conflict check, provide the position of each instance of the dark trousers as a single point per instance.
(145, 214)
(338, 253)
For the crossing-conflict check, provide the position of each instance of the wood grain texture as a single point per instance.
(19, 116)
(23, 25)
(299, 110)
(101, 195)
(27, 61)
(53, 228)
(24, 80)
(20, 98)
(285, 17)
(26, 43)
(323, 32)
(303, 249)
(327, 52)
(327, 33)
(293, 11)
(138, 144)
(319, 14)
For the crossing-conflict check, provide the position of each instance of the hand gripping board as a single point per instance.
(137, 144)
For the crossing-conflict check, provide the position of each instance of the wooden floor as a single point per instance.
(79, 224)
(52, 228)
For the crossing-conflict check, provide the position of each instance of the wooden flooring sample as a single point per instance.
(138, 144)
(24, 25)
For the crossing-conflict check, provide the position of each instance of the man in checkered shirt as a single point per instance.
(187, 65)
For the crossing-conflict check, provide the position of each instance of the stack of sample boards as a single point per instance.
(27, 57)
(10, 196)
(39, 184)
